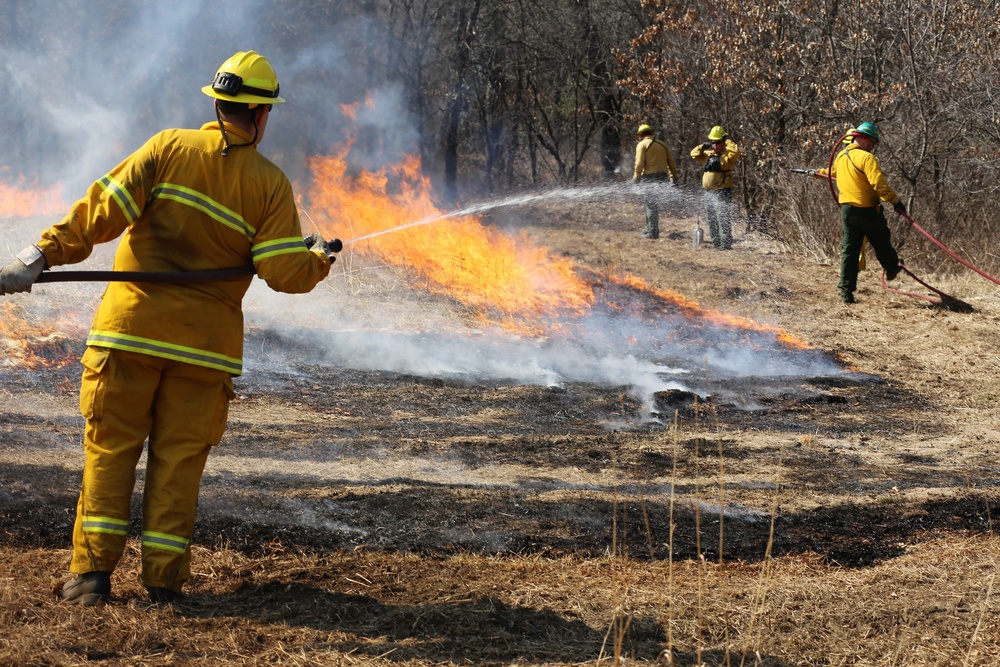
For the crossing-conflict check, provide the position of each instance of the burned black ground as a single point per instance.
(639, 477)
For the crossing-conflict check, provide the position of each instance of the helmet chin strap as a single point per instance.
(225, 137)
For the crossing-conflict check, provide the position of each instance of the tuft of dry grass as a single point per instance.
(916, 602)
(932, 606)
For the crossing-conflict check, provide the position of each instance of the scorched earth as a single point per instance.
(475, 507)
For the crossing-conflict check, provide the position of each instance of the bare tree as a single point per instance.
(788, 78)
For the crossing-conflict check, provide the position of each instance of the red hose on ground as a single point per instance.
(945, 300)
(948, 251)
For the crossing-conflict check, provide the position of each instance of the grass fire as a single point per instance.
(512, 425)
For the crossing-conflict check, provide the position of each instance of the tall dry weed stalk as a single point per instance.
(675, 441)
(982, 615)
(699, 628)
(621, 618)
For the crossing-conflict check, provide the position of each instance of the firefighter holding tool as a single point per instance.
(160, 356)
(863, 188)
(825, 173)
(718, 157)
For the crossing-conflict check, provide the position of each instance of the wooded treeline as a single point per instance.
(500, 95)
(514, 93)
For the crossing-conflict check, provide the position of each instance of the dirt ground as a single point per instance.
(355, 516)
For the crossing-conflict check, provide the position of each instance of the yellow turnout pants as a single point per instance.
(182, 410)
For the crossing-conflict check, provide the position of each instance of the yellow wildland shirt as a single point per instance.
(184, 207)
(653, 157)
(722, 179)
(860, 179)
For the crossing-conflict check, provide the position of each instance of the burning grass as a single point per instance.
(505, 280)
(371, 517)
(20, 198)
(25, 344)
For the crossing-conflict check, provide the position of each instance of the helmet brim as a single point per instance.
(242, 97)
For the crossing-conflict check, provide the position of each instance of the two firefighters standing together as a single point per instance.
(862, 189)
(654, 164)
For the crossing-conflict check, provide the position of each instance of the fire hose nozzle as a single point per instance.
(334, 245)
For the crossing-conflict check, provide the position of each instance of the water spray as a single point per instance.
(571, 194)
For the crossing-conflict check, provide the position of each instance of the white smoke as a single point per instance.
(92, 81)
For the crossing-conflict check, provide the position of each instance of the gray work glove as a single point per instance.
(317, 242)
(20, 274)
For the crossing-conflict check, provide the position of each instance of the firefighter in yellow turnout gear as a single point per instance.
(863, 188)
(161, 356)
(718, 158)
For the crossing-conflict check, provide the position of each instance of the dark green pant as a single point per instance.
(858, 223)
(652, 192)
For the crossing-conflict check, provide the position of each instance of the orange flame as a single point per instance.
(495, 274)
(26, 345)
(502, 278)
(22, 199)
(680, 303)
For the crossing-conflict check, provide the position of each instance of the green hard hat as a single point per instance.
(869, 130)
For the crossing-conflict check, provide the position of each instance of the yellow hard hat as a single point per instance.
(246, 77)
(643, 129)
(716, 133)
(850, 136)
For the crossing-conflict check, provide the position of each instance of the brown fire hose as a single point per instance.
(175, 277)
(178, 277)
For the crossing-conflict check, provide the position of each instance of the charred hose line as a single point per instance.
(173, 277)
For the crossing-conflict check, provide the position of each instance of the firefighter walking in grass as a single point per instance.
(654, 168)
(160, 357)
(863, 188)
(825, 173)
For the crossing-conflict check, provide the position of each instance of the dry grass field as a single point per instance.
(355, 515)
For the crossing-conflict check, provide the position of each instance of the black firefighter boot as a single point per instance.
(87, 589)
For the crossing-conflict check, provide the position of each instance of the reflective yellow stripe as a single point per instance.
(205, 204)
(104, 524)
(156, 348)
(278, 247)
(120, 195)
(164, 541)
